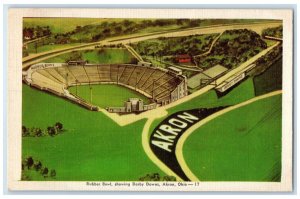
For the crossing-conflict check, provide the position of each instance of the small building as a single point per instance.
(215, 71)
(184, 58)
(175, 70)
(75, 63)
(206, 76)
(27, 38)
(230, 82)
(132, 105)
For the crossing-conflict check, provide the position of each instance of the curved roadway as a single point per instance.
(257, 27)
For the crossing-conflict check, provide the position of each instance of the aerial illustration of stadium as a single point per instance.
(151, 99)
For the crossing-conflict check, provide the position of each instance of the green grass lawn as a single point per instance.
(65, 24)
(99, 56)
(61, 25)
(210, 99)
(241, 145)
(269, 42)
(44, 48)
(109, 56)
(107, 95)
(93, 147)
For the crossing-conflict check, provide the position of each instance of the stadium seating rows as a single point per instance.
(153, 81)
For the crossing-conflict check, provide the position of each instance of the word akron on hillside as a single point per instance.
(165, 136)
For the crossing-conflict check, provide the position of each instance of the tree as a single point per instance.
(106, 31)
(38, 166)
(58, 126)
(35, 46)
(25, 131)
(156, 177)
(38, 132)
(118, 29)
(97, 37)
(45, 172)
(29, 162)
(25, 177)
(78, 29)
(51, 130)
(169, 178)
(53, 173)
(127, 23)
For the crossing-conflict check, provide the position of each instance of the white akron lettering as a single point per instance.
(168, 132)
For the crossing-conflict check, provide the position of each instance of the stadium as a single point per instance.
(161, 86)
(181, 112)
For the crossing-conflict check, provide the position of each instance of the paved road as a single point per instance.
(37, 39)
(161, 111)
(211, 46)
(35, 58)
(182, 139)
(163, 143)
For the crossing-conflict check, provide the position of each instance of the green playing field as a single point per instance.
(96, 56)
(93, 147)
(105, 95)
(241, 145)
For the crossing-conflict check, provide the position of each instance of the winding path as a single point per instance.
(179, 147)
(162, 111)
(179, 144)
(258, 27)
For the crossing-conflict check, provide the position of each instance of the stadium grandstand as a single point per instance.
(160, 85)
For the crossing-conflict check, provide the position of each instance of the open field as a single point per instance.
(45, 48)
(269, 42)
(101, 56)
(232, 148)
(61, 25)
(107, 95)
(125, 39)
(210, 99)
(93, 147)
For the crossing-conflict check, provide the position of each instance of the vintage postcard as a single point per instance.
(150, 99)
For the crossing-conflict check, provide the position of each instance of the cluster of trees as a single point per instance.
(172, 46)
(38, 132)
(267, 60)
(36, 32)
(107, 29)
(30, 164)
(75, 55)
(64, 38)
(233, 48)
(273, 32)
(110, 46)
(157, 177)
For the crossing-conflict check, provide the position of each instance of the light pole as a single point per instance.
(137, 74)
(91, 94)
(153, 89)
(76, 86)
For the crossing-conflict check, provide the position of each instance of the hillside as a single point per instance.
(273, 32)
(233, 48)
(193, 45)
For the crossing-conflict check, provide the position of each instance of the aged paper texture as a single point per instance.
(150, 99)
